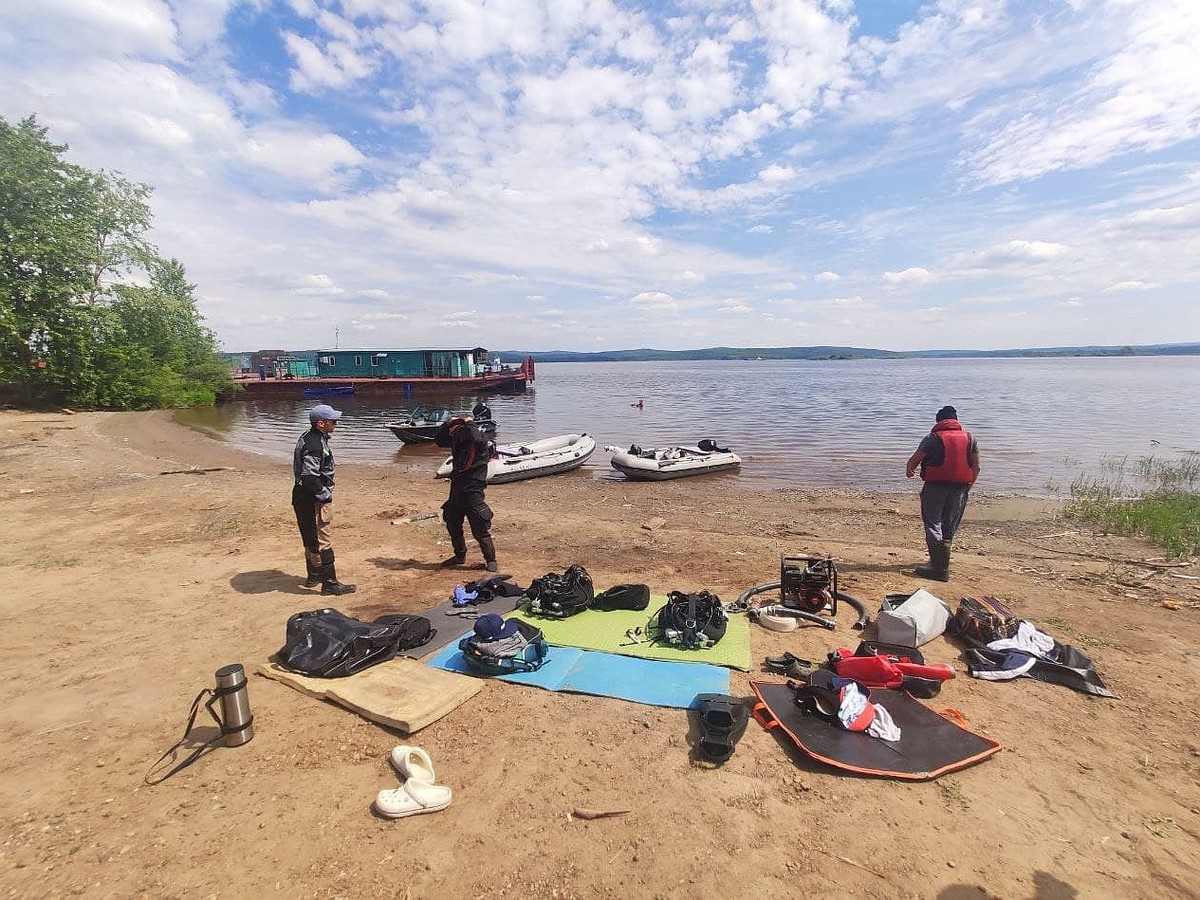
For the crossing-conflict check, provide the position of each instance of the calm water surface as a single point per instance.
(1040, 423)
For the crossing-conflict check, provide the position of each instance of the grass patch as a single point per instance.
(228, 526)
(1154, 498)
(1060, 624)
(952, 794)
(55, 562)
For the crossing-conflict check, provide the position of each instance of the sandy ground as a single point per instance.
(125, 588)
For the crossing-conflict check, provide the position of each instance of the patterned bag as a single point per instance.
(983, 621)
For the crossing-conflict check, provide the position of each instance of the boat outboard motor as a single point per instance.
(481, 411)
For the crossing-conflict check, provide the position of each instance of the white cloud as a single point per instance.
(320, 284)
(1140, 97)
(310, 157)
(760, 229)
(1128, 286)
(828, 276)
(911, 276)
(654, 302)
(1034, 251)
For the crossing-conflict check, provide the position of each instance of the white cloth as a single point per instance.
(853, 703)
(883, 727)
(1028, 639)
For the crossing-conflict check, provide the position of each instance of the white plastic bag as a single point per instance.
(916, 621)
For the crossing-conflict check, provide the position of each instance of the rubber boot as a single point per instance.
(330, 586)
(458, 542)
(939, 564)
(316, 570)
(489, 554)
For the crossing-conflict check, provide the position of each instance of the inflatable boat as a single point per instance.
(549, 456)
(660, 464)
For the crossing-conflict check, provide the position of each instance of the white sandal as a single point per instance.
(413, 763)
(412, 798)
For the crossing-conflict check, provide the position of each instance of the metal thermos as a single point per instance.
(236, 721)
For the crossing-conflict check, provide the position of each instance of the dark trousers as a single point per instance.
(942, 507)
(468, 503)
(313, 519)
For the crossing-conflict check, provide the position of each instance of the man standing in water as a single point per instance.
(948, 458)
(470, 452)
(312, 499)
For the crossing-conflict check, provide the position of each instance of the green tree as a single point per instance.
(90, 314)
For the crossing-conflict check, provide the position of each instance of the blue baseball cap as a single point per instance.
(491, 627)
(324, 411)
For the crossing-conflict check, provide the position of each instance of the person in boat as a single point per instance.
(948, 459)
(312, 499)
(470, 451)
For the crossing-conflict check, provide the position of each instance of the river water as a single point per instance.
(1040, 423)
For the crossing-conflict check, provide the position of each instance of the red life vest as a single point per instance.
(956, 463)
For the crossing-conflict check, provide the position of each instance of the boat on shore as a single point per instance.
(422, 424)
(664, 463)
(548, 456)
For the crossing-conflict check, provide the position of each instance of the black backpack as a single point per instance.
(328, 644)
(691, 621)
(560, 596)
(530, 659)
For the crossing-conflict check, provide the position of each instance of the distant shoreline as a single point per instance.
(821, 353)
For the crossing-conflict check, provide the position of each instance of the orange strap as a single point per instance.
(763, 716)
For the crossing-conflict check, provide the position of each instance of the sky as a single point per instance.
(599, 174)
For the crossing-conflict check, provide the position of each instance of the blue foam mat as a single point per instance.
(648, 681)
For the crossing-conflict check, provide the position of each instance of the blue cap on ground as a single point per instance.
(491, 627)
(324, 411)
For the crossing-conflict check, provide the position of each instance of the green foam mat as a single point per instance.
(593, 629)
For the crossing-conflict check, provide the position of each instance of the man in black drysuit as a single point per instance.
(470, 451)
(312, 499)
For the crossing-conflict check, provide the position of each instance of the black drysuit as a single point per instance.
(470, 452)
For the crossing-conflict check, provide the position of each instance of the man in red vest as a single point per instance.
(948, 458)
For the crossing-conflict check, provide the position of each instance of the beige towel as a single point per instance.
(401, 693)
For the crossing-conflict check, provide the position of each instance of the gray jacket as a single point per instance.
(312, 464)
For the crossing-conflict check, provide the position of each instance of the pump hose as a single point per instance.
(742, 603)
(863, 618)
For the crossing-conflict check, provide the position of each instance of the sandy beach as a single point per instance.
(126, 588)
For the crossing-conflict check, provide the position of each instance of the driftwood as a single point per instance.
(583, 813)
(196, 471)
(851, 862)
(1110, 559)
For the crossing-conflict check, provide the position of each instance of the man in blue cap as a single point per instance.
(312, 498)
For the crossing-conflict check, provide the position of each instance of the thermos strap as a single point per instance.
(199, 751)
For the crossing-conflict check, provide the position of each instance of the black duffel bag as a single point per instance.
(328, 644)
(623, 596)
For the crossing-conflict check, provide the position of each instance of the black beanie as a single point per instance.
(947, 412)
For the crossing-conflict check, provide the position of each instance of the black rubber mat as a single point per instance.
(452, 627)
(931, 743)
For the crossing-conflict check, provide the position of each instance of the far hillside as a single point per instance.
(827, 352)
